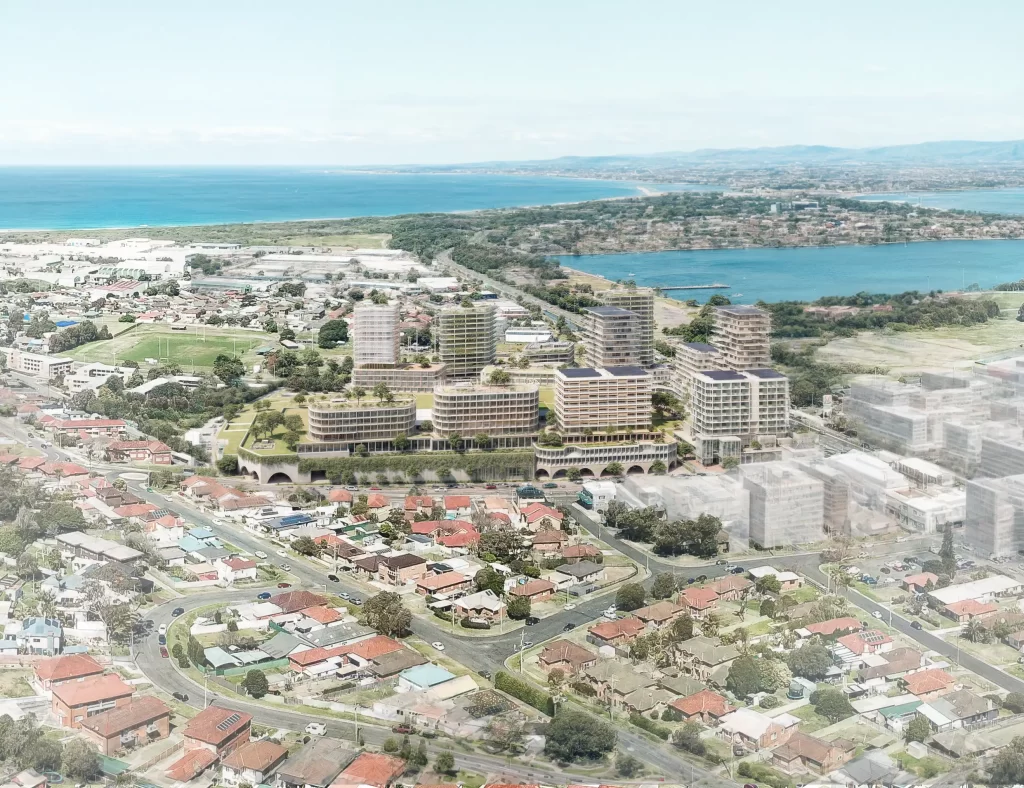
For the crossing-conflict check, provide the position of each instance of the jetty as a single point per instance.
(716, 286)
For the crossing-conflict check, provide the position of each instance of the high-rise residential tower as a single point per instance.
(610, 336)
(467, 339)
(639, 301)
(375, 334)
(742, 335)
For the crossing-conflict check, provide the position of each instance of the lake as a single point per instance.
(805, 274)
(63, 198)
(1009, 201)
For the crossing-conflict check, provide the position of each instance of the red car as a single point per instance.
(284, 585)
(375, 487)
(163, 652)
(402, 729)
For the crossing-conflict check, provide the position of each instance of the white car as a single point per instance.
(569, 606)
(286, 567)
(437, 645)
(282, 553)
(877, 615)
(261, 555)
(162, 630)
(316, 729)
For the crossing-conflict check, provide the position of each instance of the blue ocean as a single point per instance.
(805, 274)
(1008, 201)
(61, 198)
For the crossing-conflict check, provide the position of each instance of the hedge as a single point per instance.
(763, 774)
(526, 692)
(481, 465)
(650, 726)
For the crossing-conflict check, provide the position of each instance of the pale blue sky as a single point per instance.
(335, 82)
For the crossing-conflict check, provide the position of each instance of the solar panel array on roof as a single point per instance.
(295, 519)
(623, 372)
(228, 722)
(723, 374)
(608, 311)
(872, 637)
(582, 372)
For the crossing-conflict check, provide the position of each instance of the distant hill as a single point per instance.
(948, 153)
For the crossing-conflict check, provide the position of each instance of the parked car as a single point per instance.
(877, 615)
(162, 640)
(485, 674)
(490, 487)
(162, 630)
(569, 627)
(405, 729)
(549, 486)
(177, 611)
(722, 562)
(532, 621)
(163, 652)
(333, 578)
(916, 625)
(180, 696)
(284, 585)
(261, 555)
(264, 595)
(352, 488)
(286, 567)
(356, 601)
(345, 595)
(375, 488)
(437, 645)
(738, 570)
(316, 728)
(282, 553)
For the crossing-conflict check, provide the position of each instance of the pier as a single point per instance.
(692, 287)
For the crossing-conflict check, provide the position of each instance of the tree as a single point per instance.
(331, 333)
(491, 579)
(628, 766)
(664, 585)
(709, 626)
(743, 679)
(768, 584)
(499, 377)
(575, 735)
(772, 675)
(947, 554)
(445, 762)
(505, 733)
(975, 631)
(658, 468)
(614, 468)
(1007, 767)
(401, 441)
(455, 441)
(305, 545)
(383, 393)
(518, 607)
(768, 608)
(832, 704)
(255, 683)
(481, 440)
(27, 566)
(810, 662)
(630, 596)
(919, 729)
(228, 368)
(688, 738)
(1014, 702)
(681, 629)
(80, 761)
(386, 613)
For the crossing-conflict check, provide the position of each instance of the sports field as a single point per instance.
(195, 348)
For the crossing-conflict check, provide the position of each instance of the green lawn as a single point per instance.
(193, 349)
(812, 721)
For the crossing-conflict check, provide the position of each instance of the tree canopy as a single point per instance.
(577, 736)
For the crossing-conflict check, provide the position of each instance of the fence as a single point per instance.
(153, 761)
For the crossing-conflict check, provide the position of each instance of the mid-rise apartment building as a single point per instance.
(468, 410)
(357, 422)
(611, 336)
(994, 523)
(375, 334)
(553, 352)
(611, 398)
(786, 504)
(37, 365)
(729, 408)
(467, 339)
(742, 335)
(639, 301)
(400, 377)
(691, 358)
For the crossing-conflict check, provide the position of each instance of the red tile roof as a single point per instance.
(94, 690)
(142, 710)
(456, 502)
(579, 551)
(538, 511)
(69, 666)
(191, 764)
(134, 510)
(339, 496)
(861, 642)
(323, 615)
(920, 580)
(703, 702)
(550, 537)
(85, 424)
(533, 587)
(624, 627)
(215, 725)
(293, 601)
(374, 647)
(372, 768)
(256, 755)
(926, 681)
(460, 539)
(443, 580)
(376, 500)
(239, 564)
(699, 598)
(419, 502)
(157, 447)
(971, 607)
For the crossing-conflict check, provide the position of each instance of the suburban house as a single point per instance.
(660, 614)
(566, 656)
(583, 572)
(443, 584)
(458, 505)
(803, 752)
(253, 763)
(235, 568)
(371, 768)
(917, 583)
(315, 765)
(294, 601)
(928, 684)
(614, 681)
(55, 671)
(829, 628)
(897, 662)
(149, 452)
(397, 570)
(705, 706)
(139, 722)
(756, 731)
(40, 636)
(579, 552)
(417, 504)
(549, 541)
(541, 517)
(705, 659)
(217, 730)
(730, 587)
(615, 633)
(964, 611)
(377, 503)
(534, 589)
(74, 701)
(483, 604)
(699, 602)
(959, 709)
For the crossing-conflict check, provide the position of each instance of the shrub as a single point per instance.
(527, 693)
(650, 726)
(769, 702)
